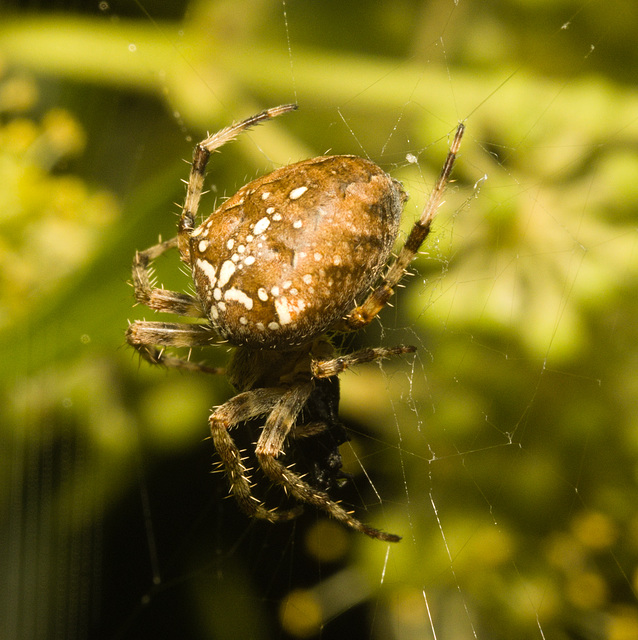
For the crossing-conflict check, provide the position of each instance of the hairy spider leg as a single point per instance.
(201, 156)
(366, 312)
(147, 337)
(241, 408)
(270, 444)
(159, 299)
(329, 368)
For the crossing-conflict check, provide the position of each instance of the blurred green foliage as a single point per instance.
(505, 452)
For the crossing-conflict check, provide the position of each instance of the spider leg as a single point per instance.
(146, 337)
(159, 299)
(270, 445)
(242, 407)
(366, 312)
(329, 368)
(201, 156)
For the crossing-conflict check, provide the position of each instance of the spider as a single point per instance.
(277, 269)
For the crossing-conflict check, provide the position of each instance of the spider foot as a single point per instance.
(282, 515)
(302, 491)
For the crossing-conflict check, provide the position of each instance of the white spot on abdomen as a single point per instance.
(208, 270)
(298, 192)
(236, 295)
(227, 270)
(287, 308)
(261, 226)
(281, 306)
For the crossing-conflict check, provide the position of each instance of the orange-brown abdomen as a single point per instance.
(284, 258)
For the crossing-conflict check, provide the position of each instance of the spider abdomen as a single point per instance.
(286, 256)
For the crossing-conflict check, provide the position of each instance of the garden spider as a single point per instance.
(276, 268)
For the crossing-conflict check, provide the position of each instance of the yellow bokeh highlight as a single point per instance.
(300, 613)
(594, 530)
(586, 590)
(63, 132)
(623, 624)
(327, 541)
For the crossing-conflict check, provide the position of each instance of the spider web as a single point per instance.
(504, 451)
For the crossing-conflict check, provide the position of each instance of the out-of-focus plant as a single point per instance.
(51, 221)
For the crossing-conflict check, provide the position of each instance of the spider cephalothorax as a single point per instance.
(276, 268)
